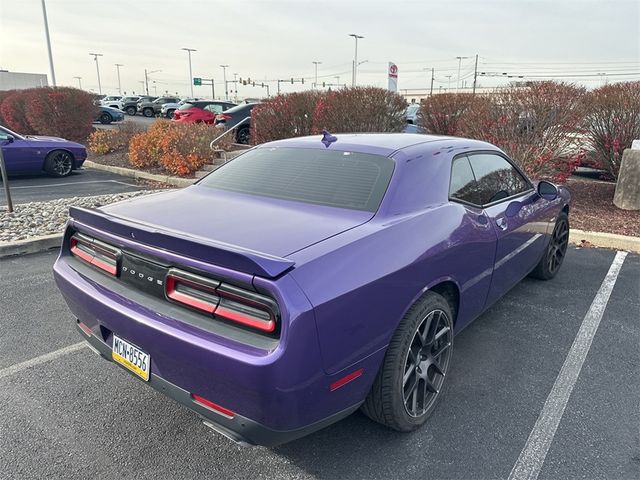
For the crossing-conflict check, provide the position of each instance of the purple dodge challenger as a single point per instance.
(310, 277)
(34, 154)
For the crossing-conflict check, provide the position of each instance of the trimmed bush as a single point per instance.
(284, 116)
(179, 149)
(4, 94)
(360, 109)
(61, 112)
(443, 113)
(103, 141)
(14, 112)
(612, 122)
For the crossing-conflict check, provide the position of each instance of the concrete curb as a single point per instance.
(129, 172)
(605, 240)
(31, 245)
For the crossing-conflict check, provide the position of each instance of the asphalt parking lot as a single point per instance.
(137, 119)
(69, 414)
(81, 183)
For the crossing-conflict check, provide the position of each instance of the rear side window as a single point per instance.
(185, 106)
(356, 181)
(463, 183)
(496, 178)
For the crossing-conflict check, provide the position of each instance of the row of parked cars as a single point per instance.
(193, 110)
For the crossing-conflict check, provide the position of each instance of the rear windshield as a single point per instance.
(239, 108)
(185, 106)
(356, 181)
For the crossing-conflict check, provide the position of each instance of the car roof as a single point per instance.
(376, 143)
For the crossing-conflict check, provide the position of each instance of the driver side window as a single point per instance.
(496, 178)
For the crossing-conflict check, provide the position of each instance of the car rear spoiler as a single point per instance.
(206, 250)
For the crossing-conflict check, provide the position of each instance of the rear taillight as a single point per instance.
(95, 253)
(222, 301)
(222, 117)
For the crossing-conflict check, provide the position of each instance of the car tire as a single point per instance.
(148, 112)
(411, 380)
(170, 113)
(105, 119)
(131, 111)
(555, 252)
(59, 163)
(243, 136)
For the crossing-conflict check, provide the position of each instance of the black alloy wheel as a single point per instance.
(553, 257)
(243, 136)
(105, 119)
(59, 163)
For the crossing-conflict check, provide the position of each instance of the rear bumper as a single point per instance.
(240, 429)
(278, 392)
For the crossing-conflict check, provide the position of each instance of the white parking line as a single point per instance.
(73, 183)
(535, 450)
(47, 357)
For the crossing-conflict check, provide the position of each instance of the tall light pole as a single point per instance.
(46, 32)
(118, 65)
(189, 50)
(95, 57)
(226, 89)
(315, 83)
(459, 65)
(355, 59)
(146, 78)
(449, 83)
(79, 82)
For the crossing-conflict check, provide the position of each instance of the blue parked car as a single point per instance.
(107, 115)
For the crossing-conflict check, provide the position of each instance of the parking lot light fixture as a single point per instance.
(226, 88)
(95, 57)
(355, 59)
(46, 32)
(315, 82)
(189, 50)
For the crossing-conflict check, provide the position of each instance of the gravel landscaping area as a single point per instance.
(44, 218)
(592, 209)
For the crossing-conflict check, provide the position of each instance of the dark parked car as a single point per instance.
(130, 104)
(34, 154)
(201, 111)
(152, 108)
(230, 118)
(331, 275)
(107, 115)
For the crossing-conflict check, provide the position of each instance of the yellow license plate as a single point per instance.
(131, 357)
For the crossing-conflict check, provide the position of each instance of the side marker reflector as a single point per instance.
(346, 379)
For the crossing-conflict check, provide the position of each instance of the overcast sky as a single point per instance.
(266, 39)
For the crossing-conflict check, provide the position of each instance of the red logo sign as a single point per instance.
(393, 70)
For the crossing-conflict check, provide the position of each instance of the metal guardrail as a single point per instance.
(244, 120)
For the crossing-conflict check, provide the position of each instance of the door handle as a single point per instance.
(501, 223)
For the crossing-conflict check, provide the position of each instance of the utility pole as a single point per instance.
(432, 77)
(79, 82)
(95, 57)
(355, 59)
(146, 78)
(46, 33)
(118, 65)
(189, 50)
(224, 73)
(315, 83)
(235, 87)
(475, 75)
(458, 80)
(449, 83)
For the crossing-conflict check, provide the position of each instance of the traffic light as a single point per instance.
(324, 84)
(291, 80)
(249, 80)
(303, 80)
(253, 84)
(244, 82)
(262, 85)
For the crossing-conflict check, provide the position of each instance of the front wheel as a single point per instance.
(554, 255)
(105, 119)
(411, 379)
(59, 163)
(131, 111)
(148, 112)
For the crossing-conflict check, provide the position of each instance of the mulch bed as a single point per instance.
(120, 159)
(592, 209)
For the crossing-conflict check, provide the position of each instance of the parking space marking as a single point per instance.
(535, 450)
(47, 357)
(73, 183)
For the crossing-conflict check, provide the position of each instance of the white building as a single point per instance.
(19, 81)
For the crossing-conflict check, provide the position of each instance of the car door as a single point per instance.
(517, 215)
(19, 155)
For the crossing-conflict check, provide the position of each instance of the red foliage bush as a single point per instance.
(61, 112)
(284, 116)
(14, 112)
(612, 122)
(4, 94)
(443, 113)
(360, 109)
(177, 148)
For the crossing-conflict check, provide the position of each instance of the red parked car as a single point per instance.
(201, 111)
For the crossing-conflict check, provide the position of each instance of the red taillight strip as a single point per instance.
(268, 326)
(346, 379)
(172, 282)
(212, 406)
(77, 246)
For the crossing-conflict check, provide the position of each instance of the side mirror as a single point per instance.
(7, 139)
(547, 190)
